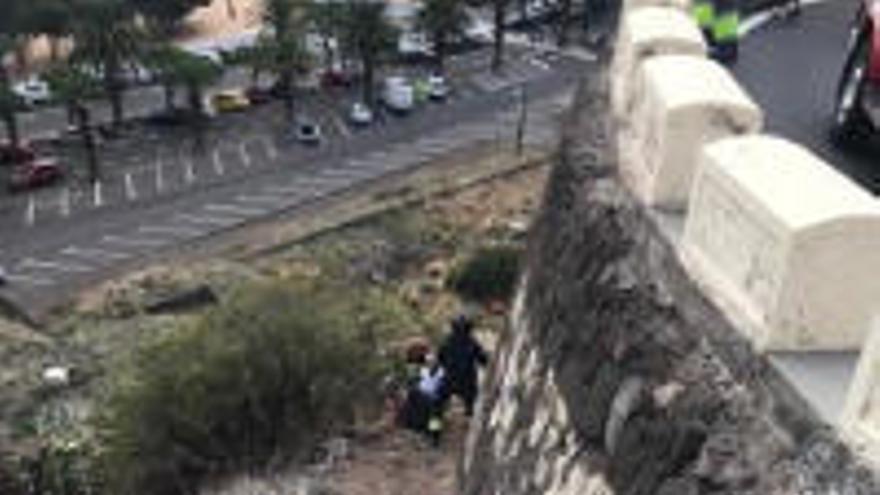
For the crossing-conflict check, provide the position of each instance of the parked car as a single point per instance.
(336, 78)
(14, 155)
(398, 94)
(35, 174)
(33, 91)
(3, 277)
(857, 102)
(360, 114)
(438, 88)
(307, 131)
(230, 100)
(257, 95)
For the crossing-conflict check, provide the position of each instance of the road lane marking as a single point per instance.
(30, 214)
(340, 125)
(360, 163)
(271, 149)
(160, 179)
(98, 193)
(283, 189)
(209, 220)
(217, 160)
(64, 202)
(189, 172)
(267, 199)
(130, 191)
(245, 156)
(170, 230)
(94, 253)
(236, 210)
(54, 265)
(28, 279)
(345, 173)
(133, 242)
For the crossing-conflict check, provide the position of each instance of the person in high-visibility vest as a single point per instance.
(704, 14)
(725, 31)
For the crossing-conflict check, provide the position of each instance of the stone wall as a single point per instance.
(618, 376)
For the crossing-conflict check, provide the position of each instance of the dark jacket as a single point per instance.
(460, 355)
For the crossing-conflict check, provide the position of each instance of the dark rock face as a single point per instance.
(618, 377)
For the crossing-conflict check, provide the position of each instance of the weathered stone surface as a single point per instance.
(788, 246)
(861, 415)
(606, 299)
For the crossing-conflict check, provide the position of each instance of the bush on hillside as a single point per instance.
(272, 371)
(491, 274)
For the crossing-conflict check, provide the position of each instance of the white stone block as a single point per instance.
(680, 104)
(644, 33)
(860, 422)
(787, 246)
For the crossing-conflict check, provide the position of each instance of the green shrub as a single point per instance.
(490, 274)
(271, 371)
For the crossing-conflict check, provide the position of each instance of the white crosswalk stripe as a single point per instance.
(245, 211)
(133, 242)
(32, 280)
(32, 263)
(208, 220)
(94, 253)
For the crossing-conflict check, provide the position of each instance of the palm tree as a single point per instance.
(107, 38)
(73, 86)
(283, 40)
(367, 34)
(442, 20)
(564, 22)
(10, 104)
(499, 18)
(326, 17)
(177, 67)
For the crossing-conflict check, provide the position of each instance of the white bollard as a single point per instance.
(680, 104)
(787, 246)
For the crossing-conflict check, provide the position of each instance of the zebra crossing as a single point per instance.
(282, 193)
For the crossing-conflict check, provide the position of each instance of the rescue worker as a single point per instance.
(704, 15)
(719, 22)
(421, 410)
(460, 355)
(725, 31)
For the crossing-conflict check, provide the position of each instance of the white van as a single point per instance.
(398, 94)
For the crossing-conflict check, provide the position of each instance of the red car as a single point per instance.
(857, 105)
(13, 155)
(37, 173)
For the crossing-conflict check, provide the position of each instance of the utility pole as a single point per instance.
(521, 124)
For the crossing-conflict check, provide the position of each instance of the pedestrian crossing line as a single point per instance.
(283, 189)
(54, 265)
(134, 242)
(244, 211)
(21, 279)
(208, 220)
(361, 163)
(355, 173)
(94, 253)
(170, 230)
(266, 199)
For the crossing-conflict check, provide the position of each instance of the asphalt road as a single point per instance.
(791, 67)
(85, 235)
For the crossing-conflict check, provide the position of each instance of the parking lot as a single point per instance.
(149, 163)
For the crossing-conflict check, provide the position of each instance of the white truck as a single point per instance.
(398, 94)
